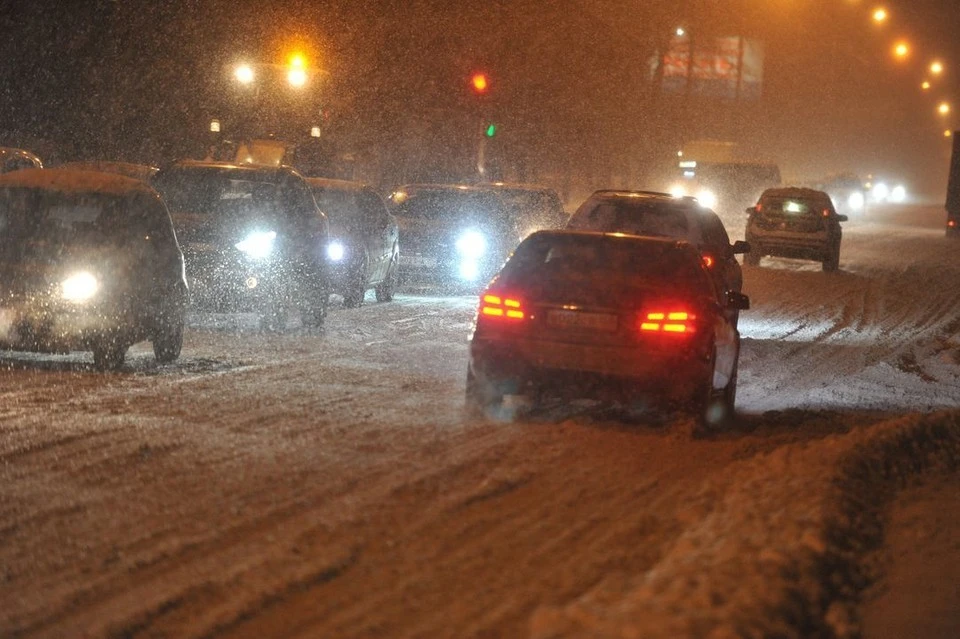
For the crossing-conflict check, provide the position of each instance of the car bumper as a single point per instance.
(595, 371)
(787, 244)
(52, 328)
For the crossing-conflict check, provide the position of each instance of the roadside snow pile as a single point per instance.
(772, 549)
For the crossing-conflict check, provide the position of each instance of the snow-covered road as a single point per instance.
(331, 485)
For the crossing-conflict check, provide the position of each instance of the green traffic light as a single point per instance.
(491, 130)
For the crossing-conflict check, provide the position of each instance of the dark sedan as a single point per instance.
(608, 316)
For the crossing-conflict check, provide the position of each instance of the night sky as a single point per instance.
(571, 88)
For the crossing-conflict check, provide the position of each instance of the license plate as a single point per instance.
(580, 319)
(418, 261)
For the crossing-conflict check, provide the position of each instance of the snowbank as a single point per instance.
(774, 547)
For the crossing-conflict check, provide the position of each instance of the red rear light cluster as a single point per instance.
(951, 223)
(673, 322)
(708, 261)
(501, 307)
(826, 212)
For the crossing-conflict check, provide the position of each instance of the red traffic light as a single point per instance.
(479, 83)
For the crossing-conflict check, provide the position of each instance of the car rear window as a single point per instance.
(608, 258)
(793, 206)
(634, 216)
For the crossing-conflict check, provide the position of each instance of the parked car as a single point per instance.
(452, 235)
(15, 159)
(253, 237)
(579, 314)
(662, 215)
(364, 249)
(88, 261)
(129, 169)
(795, 222)
(533, 207)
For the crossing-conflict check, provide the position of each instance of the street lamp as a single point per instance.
(901, 50)
(880, 15)
(936, 67)
(943, 108)
(925, 85)
(244, 73)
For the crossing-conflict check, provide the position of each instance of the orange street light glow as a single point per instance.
(297, 61)
(880, 15)
(936, 67)
(926, 85)
(948, 133)
(943, 108)
(901, 50)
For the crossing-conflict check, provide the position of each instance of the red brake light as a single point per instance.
(496, 306)
(826, 212)
(675, 322)
(759, 207)
(951, 223)
(708, 261)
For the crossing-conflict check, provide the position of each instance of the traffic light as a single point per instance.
(491, 130)
(479, 83)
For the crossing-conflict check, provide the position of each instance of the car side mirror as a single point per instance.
(740, 247)
(737, 301)
(842, 218)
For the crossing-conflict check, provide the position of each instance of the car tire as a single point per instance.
(109, 355)
(314, 301)
(168, 341)
(832, 263)
(482, 396)
(387, 287)
(356, 289)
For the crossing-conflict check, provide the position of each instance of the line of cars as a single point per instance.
(638, 296)
(77, 273)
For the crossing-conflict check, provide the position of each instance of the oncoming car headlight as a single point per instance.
(335, 251)
(80, 287)
(707, 198)
(472, 244)
(678, 191)
(855, 201)
(258, 244)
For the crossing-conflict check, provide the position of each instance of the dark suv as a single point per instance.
(88, 262)
(654, 214)
(796, 223)
(253, 238)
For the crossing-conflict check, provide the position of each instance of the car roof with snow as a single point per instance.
(74, 182)
(257, 171)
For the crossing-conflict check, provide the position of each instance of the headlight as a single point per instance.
(335, 251)
(678, 191)
(855, 201)
(707, 199)
(80, 287)
(880, 192)
(898, 194)
(472, 244)
(258, 244)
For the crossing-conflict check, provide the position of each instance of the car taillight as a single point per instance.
(673, 322)
(497, 307)
(759, 208)
(708, 261)
(951, 223)
(826, 212)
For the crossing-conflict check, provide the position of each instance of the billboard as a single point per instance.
(729, 68)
